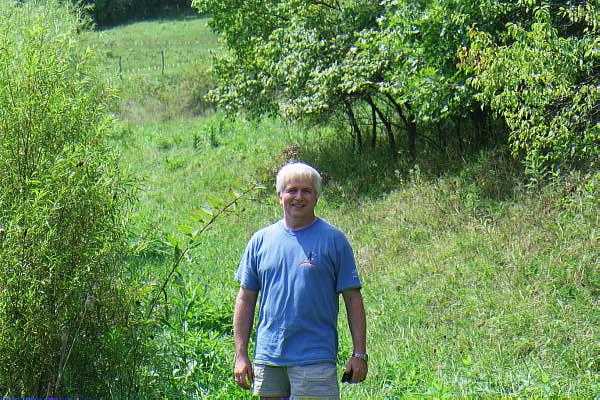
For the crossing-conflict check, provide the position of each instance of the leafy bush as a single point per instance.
(62, 208)
(192, 347)
(542, 77)
(197, 83)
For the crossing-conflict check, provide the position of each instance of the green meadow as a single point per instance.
(477, 283)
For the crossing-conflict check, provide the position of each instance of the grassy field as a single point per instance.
(160, 67)
(476, 285)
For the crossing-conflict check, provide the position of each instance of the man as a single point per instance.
(299, 266)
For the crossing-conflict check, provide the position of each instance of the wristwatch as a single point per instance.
(362, 356)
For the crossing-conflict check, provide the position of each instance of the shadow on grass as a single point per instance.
(147, 254)
(372, 173)
(350, 175)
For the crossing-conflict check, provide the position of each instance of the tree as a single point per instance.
(414, 71)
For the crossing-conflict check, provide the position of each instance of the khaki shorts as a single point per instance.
(303, 382)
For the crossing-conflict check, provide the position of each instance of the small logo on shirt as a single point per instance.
(309, 261)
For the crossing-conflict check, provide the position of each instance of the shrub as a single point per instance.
(195, 86)
(62, 208)
(542, 79)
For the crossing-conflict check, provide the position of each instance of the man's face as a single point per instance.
(299, 199)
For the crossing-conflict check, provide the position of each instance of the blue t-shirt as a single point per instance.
(299, 275)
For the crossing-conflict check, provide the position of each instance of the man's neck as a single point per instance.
(295, 224)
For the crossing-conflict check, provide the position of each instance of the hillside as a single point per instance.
(476, 283)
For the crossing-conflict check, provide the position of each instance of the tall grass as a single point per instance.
(469, 296)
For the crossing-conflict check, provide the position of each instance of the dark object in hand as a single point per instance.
(347, 377)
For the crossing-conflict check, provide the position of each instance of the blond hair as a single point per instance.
(297, 170)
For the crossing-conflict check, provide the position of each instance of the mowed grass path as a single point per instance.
(475, 287)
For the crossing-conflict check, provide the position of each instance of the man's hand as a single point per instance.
(357, 368)
(355, 309)
(242, 326)
(243, 372)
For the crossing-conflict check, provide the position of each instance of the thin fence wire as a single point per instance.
(161, 62)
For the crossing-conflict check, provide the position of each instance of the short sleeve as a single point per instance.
(247, 272)
(347, 273)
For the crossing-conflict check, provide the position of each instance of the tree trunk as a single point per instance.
(441, 134)
(387, 124)
(373, 127)
(411, 127)
(461, 148)
(479, 118)
(355, 128)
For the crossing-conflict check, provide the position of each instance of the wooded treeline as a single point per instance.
(112, 12)
(425, 75)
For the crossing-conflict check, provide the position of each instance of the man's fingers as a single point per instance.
(355, 376)
(359, 372)
(363, 375)
(243, 374)
(244, 381)
(358, 376)
(348, 367)
(251, 373)
(241, 380)
(247, 378)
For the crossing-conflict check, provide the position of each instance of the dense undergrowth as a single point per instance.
(63, 212)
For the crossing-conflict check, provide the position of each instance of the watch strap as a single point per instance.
(362, 356)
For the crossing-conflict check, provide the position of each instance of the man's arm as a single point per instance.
(358, 329)
(243, 317)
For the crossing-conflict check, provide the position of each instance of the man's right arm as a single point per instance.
(243, 316)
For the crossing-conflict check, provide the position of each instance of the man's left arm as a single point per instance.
(355, 309)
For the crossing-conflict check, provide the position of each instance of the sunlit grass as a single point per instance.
(475, 285)
(466, 295)
(139, 46)
(160, 69)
